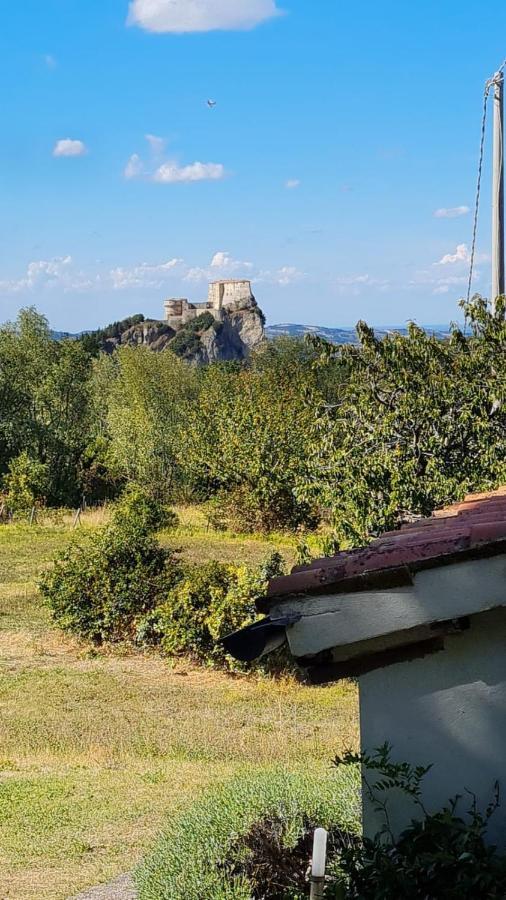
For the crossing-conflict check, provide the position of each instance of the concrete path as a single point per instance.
(121, 888)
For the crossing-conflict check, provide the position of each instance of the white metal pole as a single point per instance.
(498, 191)
(318, 864)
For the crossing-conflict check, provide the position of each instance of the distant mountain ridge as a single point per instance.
(347, 335)
(342, 335)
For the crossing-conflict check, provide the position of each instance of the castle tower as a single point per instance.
(227, 291)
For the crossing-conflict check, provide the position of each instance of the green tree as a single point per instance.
(145, 415)
(415, 423)
(44, 399)
(246, 440)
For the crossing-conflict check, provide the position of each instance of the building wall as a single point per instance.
(223, 292)
(449, 710)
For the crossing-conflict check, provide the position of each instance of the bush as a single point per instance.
(26, 482)
(215, 849)
(438, 857)
(201, 323)
(187, 340)
(243, 509)
(185, 343)
(100, 586)
(139, 507)
(209, 602)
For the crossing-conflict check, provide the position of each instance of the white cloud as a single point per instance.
(444, 285)
(346, 280)
(292, 183)
(452, 212)
(288, 275)
(223, 260)
(145, 275)
(134, 167)
(283, 276)
(68, 147)
(48, 273)
(60, 274)
(179, 16)
(461, 255)
(354, 284)
(157, 144)
(172, 173)
(222, 265)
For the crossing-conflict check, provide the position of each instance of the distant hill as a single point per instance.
(345, 335)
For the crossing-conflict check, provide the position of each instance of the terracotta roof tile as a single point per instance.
(474, 525)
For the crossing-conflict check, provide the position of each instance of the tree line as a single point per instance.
(362, 437)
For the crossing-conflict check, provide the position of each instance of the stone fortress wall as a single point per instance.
(179, 311)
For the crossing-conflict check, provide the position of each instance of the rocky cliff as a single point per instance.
(240, 331)
(234, 335)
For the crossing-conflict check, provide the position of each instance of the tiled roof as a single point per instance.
(474, 527)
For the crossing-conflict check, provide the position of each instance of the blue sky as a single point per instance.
(340, 129)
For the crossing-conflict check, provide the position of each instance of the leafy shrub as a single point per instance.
(207, 603)
(187, 340)
(415, 423)
(201, 323)
(438, 857)
(138, 506)
(102, 584)
(214, 849)
(185, 343)
(183, 619)
(26, 482)
(246, 509)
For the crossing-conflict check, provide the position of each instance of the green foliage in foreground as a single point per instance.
(418, 423)
(209, 602)
(103, 583)
(119, 584)
(362, 436)
(199, 854)
(441, 856)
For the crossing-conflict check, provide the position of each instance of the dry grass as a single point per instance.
(95, 750)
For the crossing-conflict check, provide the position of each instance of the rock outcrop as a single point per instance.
(240, 330)
(153, 334)
(237, 331)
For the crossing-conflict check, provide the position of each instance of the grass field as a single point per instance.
(97, 749)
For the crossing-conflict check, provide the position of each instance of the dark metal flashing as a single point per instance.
(259, 638)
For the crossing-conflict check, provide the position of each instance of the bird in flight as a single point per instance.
(211, 104)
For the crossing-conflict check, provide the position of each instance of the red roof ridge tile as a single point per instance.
(478, 520)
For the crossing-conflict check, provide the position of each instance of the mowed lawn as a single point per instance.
(97, 749)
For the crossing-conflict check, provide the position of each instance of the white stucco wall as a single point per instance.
(448, 709)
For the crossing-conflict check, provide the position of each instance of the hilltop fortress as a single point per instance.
(225, 295)
(231, 327)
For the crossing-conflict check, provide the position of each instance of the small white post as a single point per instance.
(77, 518)
(318, 864)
